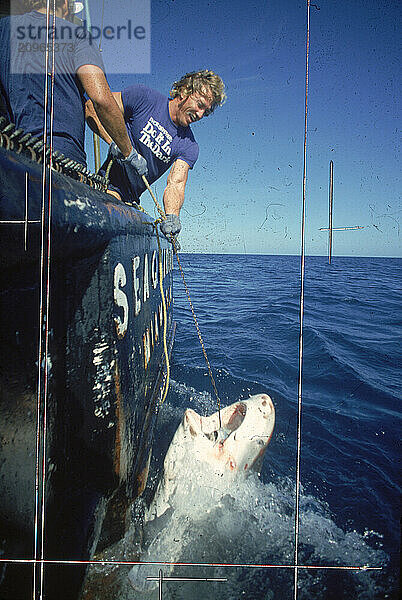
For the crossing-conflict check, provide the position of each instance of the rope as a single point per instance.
(109, 166)
(163, 216)
(158, 207)
(199, 335)
(165, 348)
(299, 399)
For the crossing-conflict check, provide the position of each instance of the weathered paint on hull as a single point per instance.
(103, 374)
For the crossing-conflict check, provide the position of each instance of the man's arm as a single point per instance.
(93, 121)
(104, 114)
(173, 196)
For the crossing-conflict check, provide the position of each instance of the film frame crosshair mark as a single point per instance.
(330, 227)
(129, 563)
(25, 221)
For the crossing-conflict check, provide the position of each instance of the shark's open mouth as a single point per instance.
(237, 416)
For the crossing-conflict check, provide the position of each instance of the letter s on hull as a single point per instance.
(120, 298)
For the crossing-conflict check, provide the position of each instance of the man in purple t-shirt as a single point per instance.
(159, 130)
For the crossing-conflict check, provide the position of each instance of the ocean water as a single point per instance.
(248, 311)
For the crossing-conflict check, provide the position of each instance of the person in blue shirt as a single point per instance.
(159, 129)
(78, 71)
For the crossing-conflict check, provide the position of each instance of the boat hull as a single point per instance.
(83, 369)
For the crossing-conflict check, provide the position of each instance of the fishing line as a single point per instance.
(302, 269)
(222, 435)
(163, 216)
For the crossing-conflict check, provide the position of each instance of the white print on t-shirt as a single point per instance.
(157, 139)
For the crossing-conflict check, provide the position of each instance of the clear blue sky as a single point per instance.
(245, 192)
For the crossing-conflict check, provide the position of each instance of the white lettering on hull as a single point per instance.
(145, 270)
(151, 334)
(146, 279)
(120, 299)
(154, 269)
(136, 286)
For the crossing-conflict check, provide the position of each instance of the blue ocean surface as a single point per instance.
(248, 309)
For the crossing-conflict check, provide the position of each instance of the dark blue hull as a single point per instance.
(82, 370)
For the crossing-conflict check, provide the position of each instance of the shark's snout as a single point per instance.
(266, 406)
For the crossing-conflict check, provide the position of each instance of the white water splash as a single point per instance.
(251, 523)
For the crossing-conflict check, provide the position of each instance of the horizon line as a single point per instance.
(288, 254)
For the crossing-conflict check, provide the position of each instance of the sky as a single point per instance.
(244, 194)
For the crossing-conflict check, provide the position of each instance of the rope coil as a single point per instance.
(36, 150)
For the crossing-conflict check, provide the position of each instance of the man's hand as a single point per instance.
(132, 161)
(170, 226)
(115, 152)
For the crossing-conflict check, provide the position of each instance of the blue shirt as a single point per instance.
(154, 135)
(22, 78)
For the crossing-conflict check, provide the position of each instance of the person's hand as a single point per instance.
(137, 162)
(171, 225)
(133, 161)
(115, 152)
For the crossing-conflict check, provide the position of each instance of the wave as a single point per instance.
(246, 536)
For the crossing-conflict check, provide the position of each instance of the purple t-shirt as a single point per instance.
(154, 135)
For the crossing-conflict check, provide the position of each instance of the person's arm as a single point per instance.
(104, 113)
(93, 122)
(173, 196)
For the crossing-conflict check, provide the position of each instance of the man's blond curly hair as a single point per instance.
(203, 82)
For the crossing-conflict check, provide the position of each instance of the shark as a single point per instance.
(211, 452)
